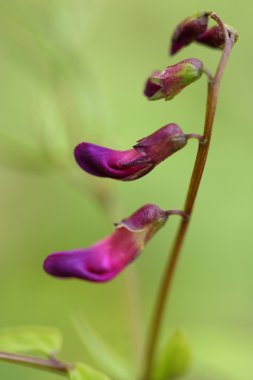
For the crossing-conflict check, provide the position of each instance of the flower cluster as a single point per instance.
(195, 29)
(107, 258)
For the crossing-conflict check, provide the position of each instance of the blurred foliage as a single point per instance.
(83, 372)
(175, 359)
(105, 357)
(72, 71)
(42, 340)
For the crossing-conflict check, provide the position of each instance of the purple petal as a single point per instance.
(188, 30)
(104, 162)
(98, 263)
(213, 37)
(131, 164)
(153, 91)
(106, 259)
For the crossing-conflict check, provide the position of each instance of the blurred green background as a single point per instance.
(73, 71)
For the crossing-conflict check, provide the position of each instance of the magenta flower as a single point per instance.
(188, 30)
(169, 82)
(134, 163)
(106, 259)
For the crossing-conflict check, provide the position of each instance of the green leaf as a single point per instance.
(175, 358)
(43, 340)
(104, 355)
(83, 372)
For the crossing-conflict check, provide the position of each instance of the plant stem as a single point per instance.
(195, 136)
(208, 74)
(51, 365)
(181, 213)
(213, 90)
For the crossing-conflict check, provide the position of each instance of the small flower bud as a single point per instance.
(131, 164)
(107, 258)
(188, 30)
(169, 82)
(214, 37)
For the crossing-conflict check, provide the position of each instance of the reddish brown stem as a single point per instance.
(212, 96)
(51, 365)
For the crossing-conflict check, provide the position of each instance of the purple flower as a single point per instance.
(214, 37)
(134, 163)
(169, 82)
(188, 30)
(106, 259)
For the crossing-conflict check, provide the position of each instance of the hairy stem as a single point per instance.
(212, 96)
(51, 365)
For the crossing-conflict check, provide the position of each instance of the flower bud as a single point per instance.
(128, 165)
(214, 37)
(106, 259)
(169, 82)
(188, 30)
